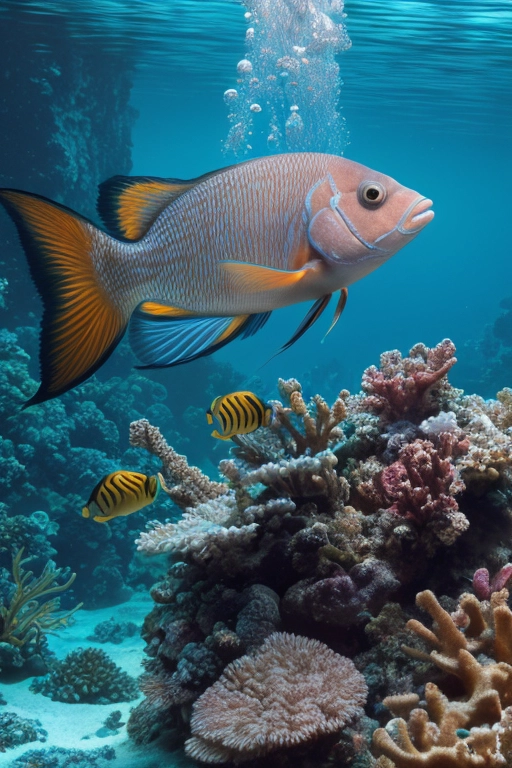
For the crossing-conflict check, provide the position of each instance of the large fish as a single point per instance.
(193, 264)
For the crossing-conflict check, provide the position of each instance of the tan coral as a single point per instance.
(490, 444)
(190, 485)
(432, 738)
(320, 422)
(291, 691)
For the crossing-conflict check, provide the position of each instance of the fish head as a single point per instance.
(358, 218)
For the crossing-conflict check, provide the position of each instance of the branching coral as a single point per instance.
(190, 485)
(441, 735)
(291, 691)
(319, 422)
(27, 617)
(484, 586)
(87, 675)
(404, 387)
(421, 486)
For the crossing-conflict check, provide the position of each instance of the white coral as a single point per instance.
(203, 531)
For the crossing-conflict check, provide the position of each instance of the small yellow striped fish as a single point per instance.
(121, 493)
(238, 414)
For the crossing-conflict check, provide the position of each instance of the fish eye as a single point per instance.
(371, 193)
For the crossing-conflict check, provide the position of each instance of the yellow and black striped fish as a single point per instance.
(238, 414)
(121, 493)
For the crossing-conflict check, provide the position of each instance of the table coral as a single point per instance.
(291, 691)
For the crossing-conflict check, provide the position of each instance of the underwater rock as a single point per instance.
(112, 631)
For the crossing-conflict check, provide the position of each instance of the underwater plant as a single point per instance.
(27, 617)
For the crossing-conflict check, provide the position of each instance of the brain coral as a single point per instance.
(292, 690)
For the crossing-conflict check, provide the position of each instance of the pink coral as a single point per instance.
(484, 586)
(291, 691)
(421, 486)
(401, 388)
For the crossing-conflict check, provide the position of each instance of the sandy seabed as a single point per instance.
(77, 725)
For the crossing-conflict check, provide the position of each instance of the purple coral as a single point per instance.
(343, 598)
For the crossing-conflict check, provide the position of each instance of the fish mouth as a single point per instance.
(419, 215)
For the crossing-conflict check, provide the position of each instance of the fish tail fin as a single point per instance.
(82, 322)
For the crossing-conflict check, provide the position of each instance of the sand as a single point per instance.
(77, 725)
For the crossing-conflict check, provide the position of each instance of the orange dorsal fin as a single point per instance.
(128, 205)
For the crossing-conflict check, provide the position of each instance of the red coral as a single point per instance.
(421, 486)
(401, 388)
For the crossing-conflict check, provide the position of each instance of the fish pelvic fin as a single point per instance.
(337, 313)
(81, 324)
(254, 278)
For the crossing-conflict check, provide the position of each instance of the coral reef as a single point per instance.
(326, 517)
(88, 676)
(16, 730)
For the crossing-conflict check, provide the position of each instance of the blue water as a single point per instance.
(426, 97)
(426, 100)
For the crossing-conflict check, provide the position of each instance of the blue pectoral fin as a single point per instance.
(160, 341)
